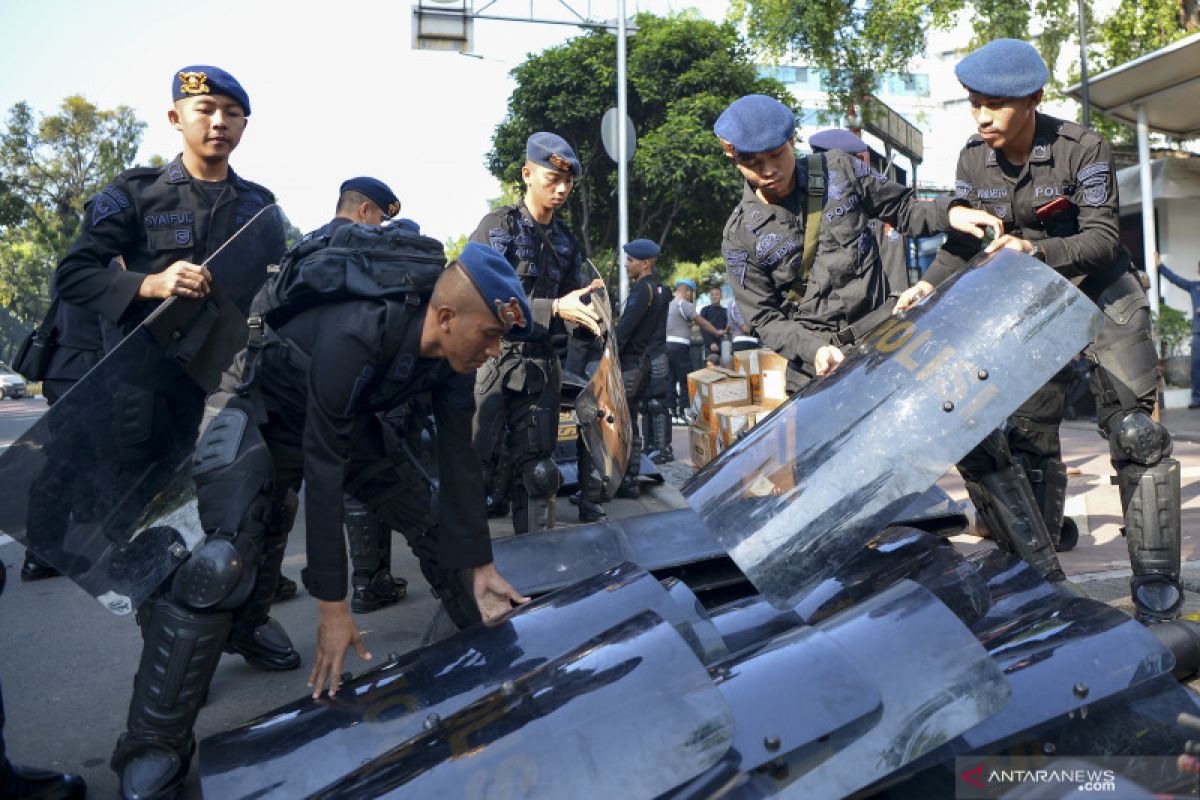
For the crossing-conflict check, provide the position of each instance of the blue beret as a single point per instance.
(201, 79)
(551, 151)
(686, 282)
(756, 123)
(1003, 68)
(377, 191)
(497, 281)
(642, 248)
(837, 139)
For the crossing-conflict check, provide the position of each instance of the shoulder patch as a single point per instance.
(107, 202)
(499, 239)
(735, 262)
(1097, 168)
(1095, 192)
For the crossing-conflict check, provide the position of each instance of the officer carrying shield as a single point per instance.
(518, 392)
(273, 426)
(1053, 184)
(798, 251)
(164, 222)
(644, 365)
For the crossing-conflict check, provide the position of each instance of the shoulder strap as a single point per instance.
(814, 208)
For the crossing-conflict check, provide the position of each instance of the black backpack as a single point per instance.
(355, 261)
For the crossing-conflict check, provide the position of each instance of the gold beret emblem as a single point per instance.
(510, 313)
(559, 162)
(393, 208)
(193, 83)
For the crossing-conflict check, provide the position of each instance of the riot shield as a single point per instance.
(601, 408)
(805, 490)
(100, 487)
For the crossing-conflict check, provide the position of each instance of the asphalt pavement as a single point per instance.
(67, 664)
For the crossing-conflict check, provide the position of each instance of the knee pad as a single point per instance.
(541, 478)
(231, 467)
(1135, 437)
(220, 573)
(655, 406)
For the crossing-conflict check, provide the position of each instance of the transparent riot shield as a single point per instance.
(99, 487)
(806, 489)
(601, 408)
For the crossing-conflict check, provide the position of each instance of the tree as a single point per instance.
(683, 71)
(49, 167)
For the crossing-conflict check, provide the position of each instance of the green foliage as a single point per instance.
(854, 41)
(707, 273)
(1172, 328)
(683, 71)
(49, 167)
(454, 246)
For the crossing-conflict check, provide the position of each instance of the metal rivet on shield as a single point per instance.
(1048, 747)
(508, 688)
(610, 419)
(178, 550)
(431, 722)
(948, 406)
(982, 374)
(771, 742)
(1080, 689)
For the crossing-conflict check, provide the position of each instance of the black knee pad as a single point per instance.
(1136, 437)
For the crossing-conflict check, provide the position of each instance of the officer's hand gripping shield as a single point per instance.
(809, 487)
(99, 487)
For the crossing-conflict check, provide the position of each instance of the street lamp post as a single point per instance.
(622, 150)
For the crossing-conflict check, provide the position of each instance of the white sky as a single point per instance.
(336, 90)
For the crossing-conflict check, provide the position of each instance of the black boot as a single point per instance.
(377, 591)
(629, 488)
(179, 656)
(34, 569)
(44, 784)
(285, 589)
(591, 512)
(267, 647)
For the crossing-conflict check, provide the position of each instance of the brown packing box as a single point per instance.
(717, 388)
(773, 375)
(746, 362)
(733, 420)
(703, 444)
(693, 382)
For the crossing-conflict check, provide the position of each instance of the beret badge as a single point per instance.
(193, 83)
(510, 313)
(559, 162)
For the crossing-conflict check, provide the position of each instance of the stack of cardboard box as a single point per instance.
(727, 402)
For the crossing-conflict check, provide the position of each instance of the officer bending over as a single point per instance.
(286, 429)
(1053, 183)
(798, 251)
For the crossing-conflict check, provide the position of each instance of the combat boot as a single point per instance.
(267, 647)
(34, 569)
(377, 591)
(32, 782)
(591, 512)
(629, 488)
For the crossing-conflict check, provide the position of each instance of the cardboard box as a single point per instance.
(717, 388)
(703, 444)
(734, 420)
(693, 380)
(763, 365)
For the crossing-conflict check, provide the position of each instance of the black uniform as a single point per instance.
(763, 246)
(639, 341)
(1081, 243)
(718, 317)
(517, 394)
(309, 415)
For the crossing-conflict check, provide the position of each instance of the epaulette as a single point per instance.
(974, 140)
(258, 187)
(1075, 131)
(142, 172)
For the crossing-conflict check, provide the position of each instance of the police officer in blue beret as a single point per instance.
(290, 431)
(804, 296)
(1053, 184)
(641, 339)
(368, 201)
(518, 392)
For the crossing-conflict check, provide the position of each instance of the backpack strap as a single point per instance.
(814, 208)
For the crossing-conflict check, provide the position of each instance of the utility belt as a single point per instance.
(745, 338)
(679, 340)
